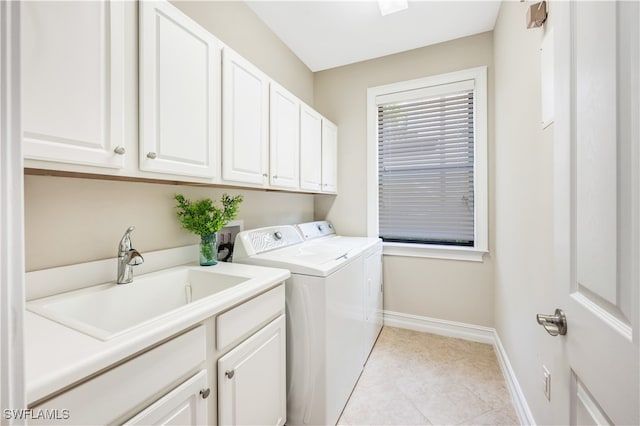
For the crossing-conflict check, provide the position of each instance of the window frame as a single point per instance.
(481, 210)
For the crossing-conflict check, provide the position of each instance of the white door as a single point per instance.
(73, 68)
(310, 149)
(597, 214)
(13, 392)
(179, 93)
(184, 405)
(245, 121)
(284, 143)
(329, 156)
(252, 379)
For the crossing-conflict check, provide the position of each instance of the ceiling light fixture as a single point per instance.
(391, 6)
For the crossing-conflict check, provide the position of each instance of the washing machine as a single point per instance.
(325, 318)
(370, 251)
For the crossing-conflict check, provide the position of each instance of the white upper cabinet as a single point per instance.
(206, 114)
(284, 141)
(245, 126)
(73, 82)
(310, 149)
(179, 93)
(329, 156)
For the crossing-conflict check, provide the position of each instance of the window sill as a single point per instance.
(433, 252)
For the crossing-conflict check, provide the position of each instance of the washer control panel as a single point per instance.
(256, 241)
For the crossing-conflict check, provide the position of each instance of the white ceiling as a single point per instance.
(328, 34)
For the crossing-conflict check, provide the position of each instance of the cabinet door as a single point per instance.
(245, 137)
(251, 379)
(310, 149)
(185, 405)
(284, 143)
(329, 156)
(72, 59)
(179, 93)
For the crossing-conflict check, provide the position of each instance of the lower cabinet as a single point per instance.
(175, 382)
(122, 392)
(185, 405)
(252, 379)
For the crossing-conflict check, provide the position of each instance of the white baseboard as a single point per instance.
(517, 396)
(474, 333)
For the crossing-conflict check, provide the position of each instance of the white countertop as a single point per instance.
(58, 356)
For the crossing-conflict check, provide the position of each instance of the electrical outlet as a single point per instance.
(547, 383)
(226, 238)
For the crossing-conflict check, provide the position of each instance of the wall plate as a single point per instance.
(225, 239)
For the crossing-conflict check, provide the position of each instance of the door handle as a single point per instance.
(555, 324)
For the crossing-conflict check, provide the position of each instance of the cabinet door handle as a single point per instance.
(152, 155)
(265, 175)
(205, 393)
(119, 150)
(229, 374)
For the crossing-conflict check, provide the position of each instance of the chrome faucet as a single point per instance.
(128, 257)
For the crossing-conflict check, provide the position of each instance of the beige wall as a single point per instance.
(451, 290)
(443, 289)
(236, 25)
(523, 205)
(72, 220)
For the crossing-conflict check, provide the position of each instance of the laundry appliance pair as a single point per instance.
(334, 310)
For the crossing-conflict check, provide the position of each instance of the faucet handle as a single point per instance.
(135, 258)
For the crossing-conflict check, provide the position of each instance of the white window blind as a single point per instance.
(426, 165)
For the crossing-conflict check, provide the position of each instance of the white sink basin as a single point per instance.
(108, 310)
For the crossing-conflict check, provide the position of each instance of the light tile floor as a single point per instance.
(414, 378)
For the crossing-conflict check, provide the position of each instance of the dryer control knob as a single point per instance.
(277, 235)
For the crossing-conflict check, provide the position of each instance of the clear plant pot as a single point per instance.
(208, 250)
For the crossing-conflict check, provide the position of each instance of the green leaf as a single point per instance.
(202, 217)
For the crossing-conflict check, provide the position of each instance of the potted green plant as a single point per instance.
(203, 218)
